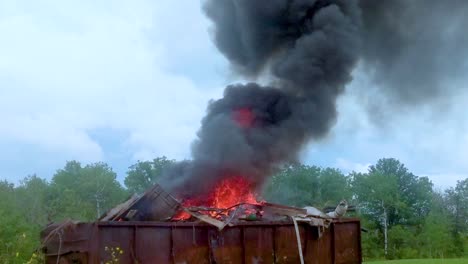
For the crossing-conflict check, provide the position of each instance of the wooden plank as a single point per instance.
(276, 209)
(207, 219)
(119, 209)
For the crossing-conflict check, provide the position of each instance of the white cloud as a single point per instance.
(69, 68)
(445, 180)
(50, 135)
(349, 166)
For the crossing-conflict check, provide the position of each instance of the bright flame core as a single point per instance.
(244, 117)
(226, 194)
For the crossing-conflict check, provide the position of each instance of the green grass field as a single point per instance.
(422, 261)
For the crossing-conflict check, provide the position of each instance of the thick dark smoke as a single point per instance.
(308, 50)
(415, 50)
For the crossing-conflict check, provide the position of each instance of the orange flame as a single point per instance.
(226, 194)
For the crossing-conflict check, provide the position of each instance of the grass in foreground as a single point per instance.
(421, 261)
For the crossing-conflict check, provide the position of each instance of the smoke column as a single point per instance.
(307, 49)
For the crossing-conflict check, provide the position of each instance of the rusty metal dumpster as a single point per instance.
(190, 242)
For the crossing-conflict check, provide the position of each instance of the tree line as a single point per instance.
(402, 214)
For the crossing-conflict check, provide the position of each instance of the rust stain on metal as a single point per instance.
(153, 245)
(284, 237)
(347, 243)
(176, 242)
(190, 245)
(225, 246)
(116, 241)
(258, 245)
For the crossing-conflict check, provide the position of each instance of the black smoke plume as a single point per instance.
(307, 49)
(415, 50)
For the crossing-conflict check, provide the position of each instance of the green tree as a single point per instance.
(401, 242)
(371, 239)
(295, 185)
(99, 186)
(333, 187)
(145, 174)
(414, 194)
(18, 237)
(302, 185)
(457, 204)
(32, 199)
(435, 239)
(392, 196)
(84, 193)
(376, 194)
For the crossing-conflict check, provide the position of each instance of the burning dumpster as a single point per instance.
(184, 242)
(156, 228)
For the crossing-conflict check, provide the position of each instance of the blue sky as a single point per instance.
(121, 81)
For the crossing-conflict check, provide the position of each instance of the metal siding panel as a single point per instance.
(190, 245)
(258, 245)
(311, 247)
(153, 245)
(325, 247)
(286, 248)
(347, 245)
(320, 247)
(226, 245)
(116, 238)
(73, 238)
(250, 242)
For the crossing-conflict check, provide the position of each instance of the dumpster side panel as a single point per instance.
(153, 245)
(347, 240)
(318, 248)
(258, 244)
(162, 242)
(116, 244)
(286, 248)
(190, 245)
(226, 246)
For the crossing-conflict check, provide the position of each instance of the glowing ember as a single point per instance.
(244, 117)
(228, 193)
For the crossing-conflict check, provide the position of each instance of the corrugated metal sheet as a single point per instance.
(154, 205)
(178, 242)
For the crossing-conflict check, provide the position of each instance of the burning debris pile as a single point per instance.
(230, 202)
(226, 196)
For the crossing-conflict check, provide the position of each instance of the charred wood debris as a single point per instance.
(158, 205)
